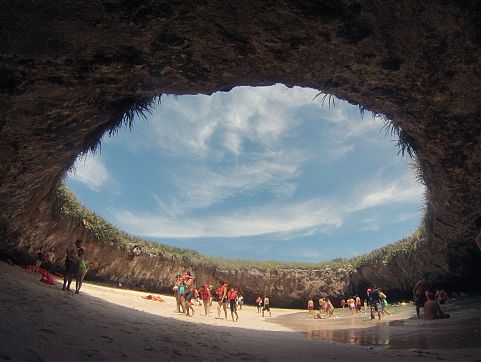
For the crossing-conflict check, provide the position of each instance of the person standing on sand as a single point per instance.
(81, 270)
(205, 294)
(188, 293)
(259, 304)
(267, 306)
(241, 301)
(310, 306)
(71, 260)
(178, 281)
(222, 296)
(419, 292)
(232, 297)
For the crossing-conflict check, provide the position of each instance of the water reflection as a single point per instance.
(399, 331)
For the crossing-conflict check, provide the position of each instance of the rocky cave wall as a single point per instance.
(70, 70)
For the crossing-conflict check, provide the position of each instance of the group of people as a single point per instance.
(44, 259)
(187, 295)
(75, 266)
(325, 310)
(428, 300)
(376, 303)
(263, 305)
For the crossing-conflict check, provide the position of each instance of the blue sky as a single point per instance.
(260, 173)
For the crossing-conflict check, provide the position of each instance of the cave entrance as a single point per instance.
(262, 173)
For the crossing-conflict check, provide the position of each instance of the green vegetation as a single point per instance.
(67, 207)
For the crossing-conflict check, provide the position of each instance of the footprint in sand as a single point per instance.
(107, 338)
(89, 353)
(49, 331)
(33, 355)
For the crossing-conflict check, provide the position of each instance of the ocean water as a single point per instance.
(401, 330)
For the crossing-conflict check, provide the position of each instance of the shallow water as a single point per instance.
(401, 330)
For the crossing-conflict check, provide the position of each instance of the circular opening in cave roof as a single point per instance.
(261, 173)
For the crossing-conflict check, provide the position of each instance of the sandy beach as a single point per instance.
(40, 322)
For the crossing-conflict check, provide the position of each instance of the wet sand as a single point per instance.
(40, 322)
(400, 330)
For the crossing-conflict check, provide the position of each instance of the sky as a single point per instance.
(258, 173)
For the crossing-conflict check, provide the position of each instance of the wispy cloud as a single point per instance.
(242, 142)
(243, 222)
(377, 193)
(90, 171)
(287, 220)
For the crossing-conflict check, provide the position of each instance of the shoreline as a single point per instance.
(104, 324)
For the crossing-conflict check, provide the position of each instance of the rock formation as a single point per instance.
(70, 71)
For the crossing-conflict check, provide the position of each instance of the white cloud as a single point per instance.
(376, 193)
(287, 220)
(245, 222)
(239, 145)
(199, 187)
(90, 171)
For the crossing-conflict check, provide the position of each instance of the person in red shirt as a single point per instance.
(232, 296)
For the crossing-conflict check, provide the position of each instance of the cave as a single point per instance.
(72, 71)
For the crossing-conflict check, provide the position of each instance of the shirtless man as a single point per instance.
(419, 292)
(267, 306)
(352, 304)
(432, 309)
(189, 293)
(222, 299)
(71, 260)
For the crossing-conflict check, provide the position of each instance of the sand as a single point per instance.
(42, 323)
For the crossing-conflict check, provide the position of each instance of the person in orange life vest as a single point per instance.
(205, 294)
(222, 297)
(232, 296)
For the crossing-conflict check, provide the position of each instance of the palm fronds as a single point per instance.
(404, 143)
(330, 99)
(126, 110)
